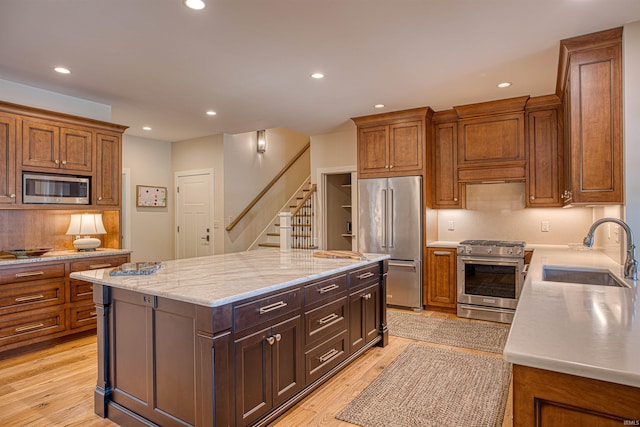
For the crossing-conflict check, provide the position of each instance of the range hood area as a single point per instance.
(492, 196)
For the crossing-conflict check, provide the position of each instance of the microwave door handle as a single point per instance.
(383, 224)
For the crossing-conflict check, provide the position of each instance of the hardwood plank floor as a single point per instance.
(54, 386)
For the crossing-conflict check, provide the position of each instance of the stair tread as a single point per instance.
(270, 245)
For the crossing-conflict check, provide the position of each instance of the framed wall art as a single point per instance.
(151, 197)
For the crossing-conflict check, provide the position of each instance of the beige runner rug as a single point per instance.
(429, 386)
(458, 333)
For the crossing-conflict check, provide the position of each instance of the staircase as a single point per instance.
(302, 216)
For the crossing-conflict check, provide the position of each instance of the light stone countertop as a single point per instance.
(584, 330)
(10, 260)
(220, 279)
(443, 244)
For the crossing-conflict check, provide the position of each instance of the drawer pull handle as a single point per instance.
(271, 307)
(327, 319)
(29, 298)
(93, 313)
(328, 355)
(92, 266)
(442, 253)
(328, 288)
(29, 327)
(29, 274)
(367, 296)
(366, 275)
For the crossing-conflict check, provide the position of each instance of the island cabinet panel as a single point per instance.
(7, 159)
(552, 399)
(364, 316)
(269, 369)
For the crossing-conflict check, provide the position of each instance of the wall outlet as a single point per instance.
(451, 226)
(544, 226)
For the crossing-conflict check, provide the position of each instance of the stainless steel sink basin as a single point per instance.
(585, 276)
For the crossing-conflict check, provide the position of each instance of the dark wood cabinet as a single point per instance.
(7, 159)
(445, 166)
(441, 278)
(39, 301)
(553, 399)
(269, 369)
(544, 171)
(590, 83)
(108, 169)
(392, 144)
(364, 316)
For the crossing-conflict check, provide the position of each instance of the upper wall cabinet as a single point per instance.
(590, 83)
(446, 188)
(48, 146)
(36, 140)
(544, 166)
(392, 144)
(7, 159)
(491, 140)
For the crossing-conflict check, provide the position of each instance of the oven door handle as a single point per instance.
(489, 309)
(525, 270)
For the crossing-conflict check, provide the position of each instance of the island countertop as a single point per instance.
(221, 279)
(584, 330)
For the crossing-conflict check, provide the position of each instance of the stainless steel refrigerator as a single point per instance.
(390, 222)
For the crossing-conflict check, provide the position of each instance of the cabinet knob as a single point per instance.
(271, 340)
(455, 199)
(12, 195)
(64, 162)
(532, 197)
(278, 337)
(390, 166)
(56, 161)
(100, 198)
(367, 296)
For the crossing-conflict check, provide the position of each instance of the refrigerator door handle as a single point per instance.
(391, 219)
(384, 219)
(395, 264)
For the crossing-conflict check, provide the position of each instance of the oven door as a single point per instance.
(491, 282)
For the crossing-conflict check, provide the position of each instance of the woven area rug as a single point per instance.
(429, 386)
(457, 333)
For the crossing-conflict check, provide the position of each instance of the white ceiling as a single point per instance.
(161, 64)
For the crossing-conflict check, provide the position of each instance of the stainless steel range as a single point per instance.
(490, 277)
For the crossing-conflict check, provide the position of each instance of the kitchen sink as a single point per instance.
(585, 276)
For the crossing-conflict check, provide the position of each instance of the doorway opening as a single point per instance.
(338, 212)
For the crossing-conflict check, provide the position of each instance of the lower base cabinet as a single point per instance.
(441, 278)
(171, 363)
(552, 399)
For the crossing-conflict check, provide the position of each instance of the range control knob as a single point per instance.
(510, 251)
(467, 249)
(489, 250)
(518, 251)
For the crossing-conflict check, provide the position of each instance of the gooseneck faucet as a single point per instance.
(630, 264)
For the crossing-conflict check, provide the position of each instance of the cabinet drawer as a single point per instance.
(80, 290)
(95, 263)
(364, 276)
(325, 321)
(265, 309)
(34, 271)
(31, 295)
(323, 358)
(82, 315)
(20, 327)
(325, 289)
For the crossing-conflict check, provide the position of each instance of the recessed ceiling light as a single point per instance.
(147, 128)
(317, 75)
(62, 70)
(378, 106)
(503, 85)
(211, 113)
(194, 4)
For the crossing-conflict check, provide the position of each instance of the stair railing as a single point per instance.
(302, 221)
(267, 187)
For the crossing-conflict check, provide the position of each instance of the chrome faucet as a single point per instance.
(630, 264)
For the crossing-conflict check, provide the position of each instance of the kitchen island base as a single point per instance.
(174, 363)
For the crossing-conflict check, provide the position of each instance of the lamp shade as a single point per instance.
(85, 225)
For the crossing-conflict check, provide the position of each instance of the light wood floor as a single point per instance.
(54, 387)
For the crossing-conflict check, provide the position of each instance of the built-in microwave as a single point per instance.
(55, 189)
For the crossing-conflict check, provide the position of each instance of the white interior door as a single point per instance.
(194, 205)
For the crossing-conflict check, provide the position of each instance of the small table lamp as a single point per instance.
(86, 224)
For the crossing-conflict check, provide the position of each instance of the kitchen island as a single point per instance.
(575, 347)
(233, 339)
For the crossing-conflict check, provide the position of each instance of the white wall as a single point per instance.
(247, 172)
(205, 153)
(337, 150)
(40, 98)
(152, 237)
